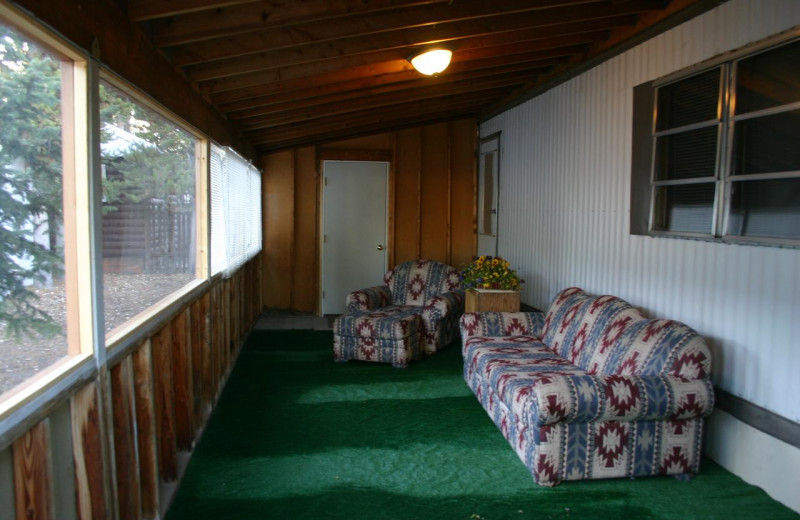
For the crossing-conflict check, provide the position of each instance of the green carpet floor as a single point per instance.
(297, 436)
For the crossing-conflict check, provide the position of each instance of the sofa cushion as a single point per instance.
(416, 281)
(512, 366)
(664, 347)
(502, 324)
(542, 388)
(561, 318)
(604, 320)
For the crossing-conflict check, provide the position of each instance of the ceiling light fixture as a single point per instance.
(432, 61)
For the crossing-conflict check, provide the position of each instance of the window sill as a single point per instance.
(740, 241)
(31, 400)
(120, 339)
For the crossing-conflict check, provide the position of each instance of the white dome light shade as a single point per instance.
(432, 61)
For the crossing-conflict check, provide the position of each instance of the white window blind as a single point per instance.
(235, 211)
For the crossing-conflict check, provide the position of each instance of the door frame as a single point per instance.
(375, 156)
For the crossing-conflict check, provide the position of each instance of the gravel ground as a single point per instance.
(126, 295)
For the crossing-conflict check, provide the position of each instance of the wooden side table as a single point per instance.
(491, 300)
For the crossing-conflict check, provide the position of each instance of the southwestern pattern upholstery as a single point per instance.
(592, 389)
(390, 335)
(424, 289)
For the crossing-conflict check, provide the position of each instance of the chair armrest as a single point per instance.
(368, 299)
(444, 303)
(591, 398)
(501, 324)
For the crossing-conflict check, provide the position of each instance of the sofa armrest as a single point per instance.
(501, 324)
(368, 299)
(591, 398)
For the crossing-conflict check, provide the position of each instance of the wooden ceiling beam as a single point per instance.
(619, 39)
(349, 89)
(141, 10)
(262, 15)
(549, 11)
(307, 74)
(365, 117)
(380, 60)
(273, 141)
(400, 44)
(275, 144)
(404, 97)
(443, 82)
(312, 73)
(262, 92)
(316, 85)
(368, 121)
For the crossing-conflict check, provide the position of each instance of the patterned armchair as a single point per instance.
(432, 290)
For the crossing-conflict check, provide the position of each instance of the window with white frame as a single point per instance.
(719, 153)
(154, 218)
(235, 189)
(43, 259)
(150, 233)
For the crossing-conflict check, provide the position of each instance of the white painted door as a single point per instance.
(488, 186)
(353, 229)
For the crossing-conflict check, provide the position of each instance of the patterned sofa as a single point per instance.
(593, 389)
(416, 312)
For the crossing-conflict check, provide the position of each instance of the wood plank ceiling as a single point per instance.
(290, 72)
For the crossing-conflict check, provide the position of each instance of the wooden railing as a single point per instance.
(116, 446)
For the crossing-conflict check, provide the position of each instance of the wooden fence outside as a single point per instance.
(115, 447)
(150, 237)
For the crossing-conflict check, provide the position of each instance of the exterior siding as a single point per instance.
(564, 212)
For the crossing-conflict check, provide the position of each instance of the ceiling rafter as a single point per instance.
(141, 10)
(359, 88)
(401, 43)
(379, 101)
(471, 79)
(287, 73)
(261, 15)
(487, 16)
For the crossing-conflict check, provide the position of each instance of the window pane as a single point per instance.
(149, 174)
(32, 294)
(687, 208)
(768, 79)
(687, 155)
(766, 144)
(765, 209)
(688, 101)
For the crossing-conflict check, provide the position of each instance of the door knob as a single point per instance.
(380, 247)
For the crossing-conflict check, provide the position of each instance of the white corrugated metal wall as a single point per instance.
(564, 210)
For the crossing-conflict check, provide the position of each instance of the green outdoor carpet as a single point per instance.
(297, 436)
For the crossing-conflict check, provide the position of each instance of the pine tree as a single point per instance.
(30, 180)
(161, 168)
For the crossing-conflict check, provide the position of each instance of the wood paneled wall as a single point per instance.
(112, 447)
(432, 204)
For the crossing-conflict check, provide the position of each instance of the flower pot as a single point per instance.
(492, 300)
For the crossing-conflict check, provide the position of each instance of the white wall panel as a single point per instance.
(564, 210)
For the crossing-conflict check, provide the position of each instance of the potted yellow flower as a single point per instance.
(491, 285)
